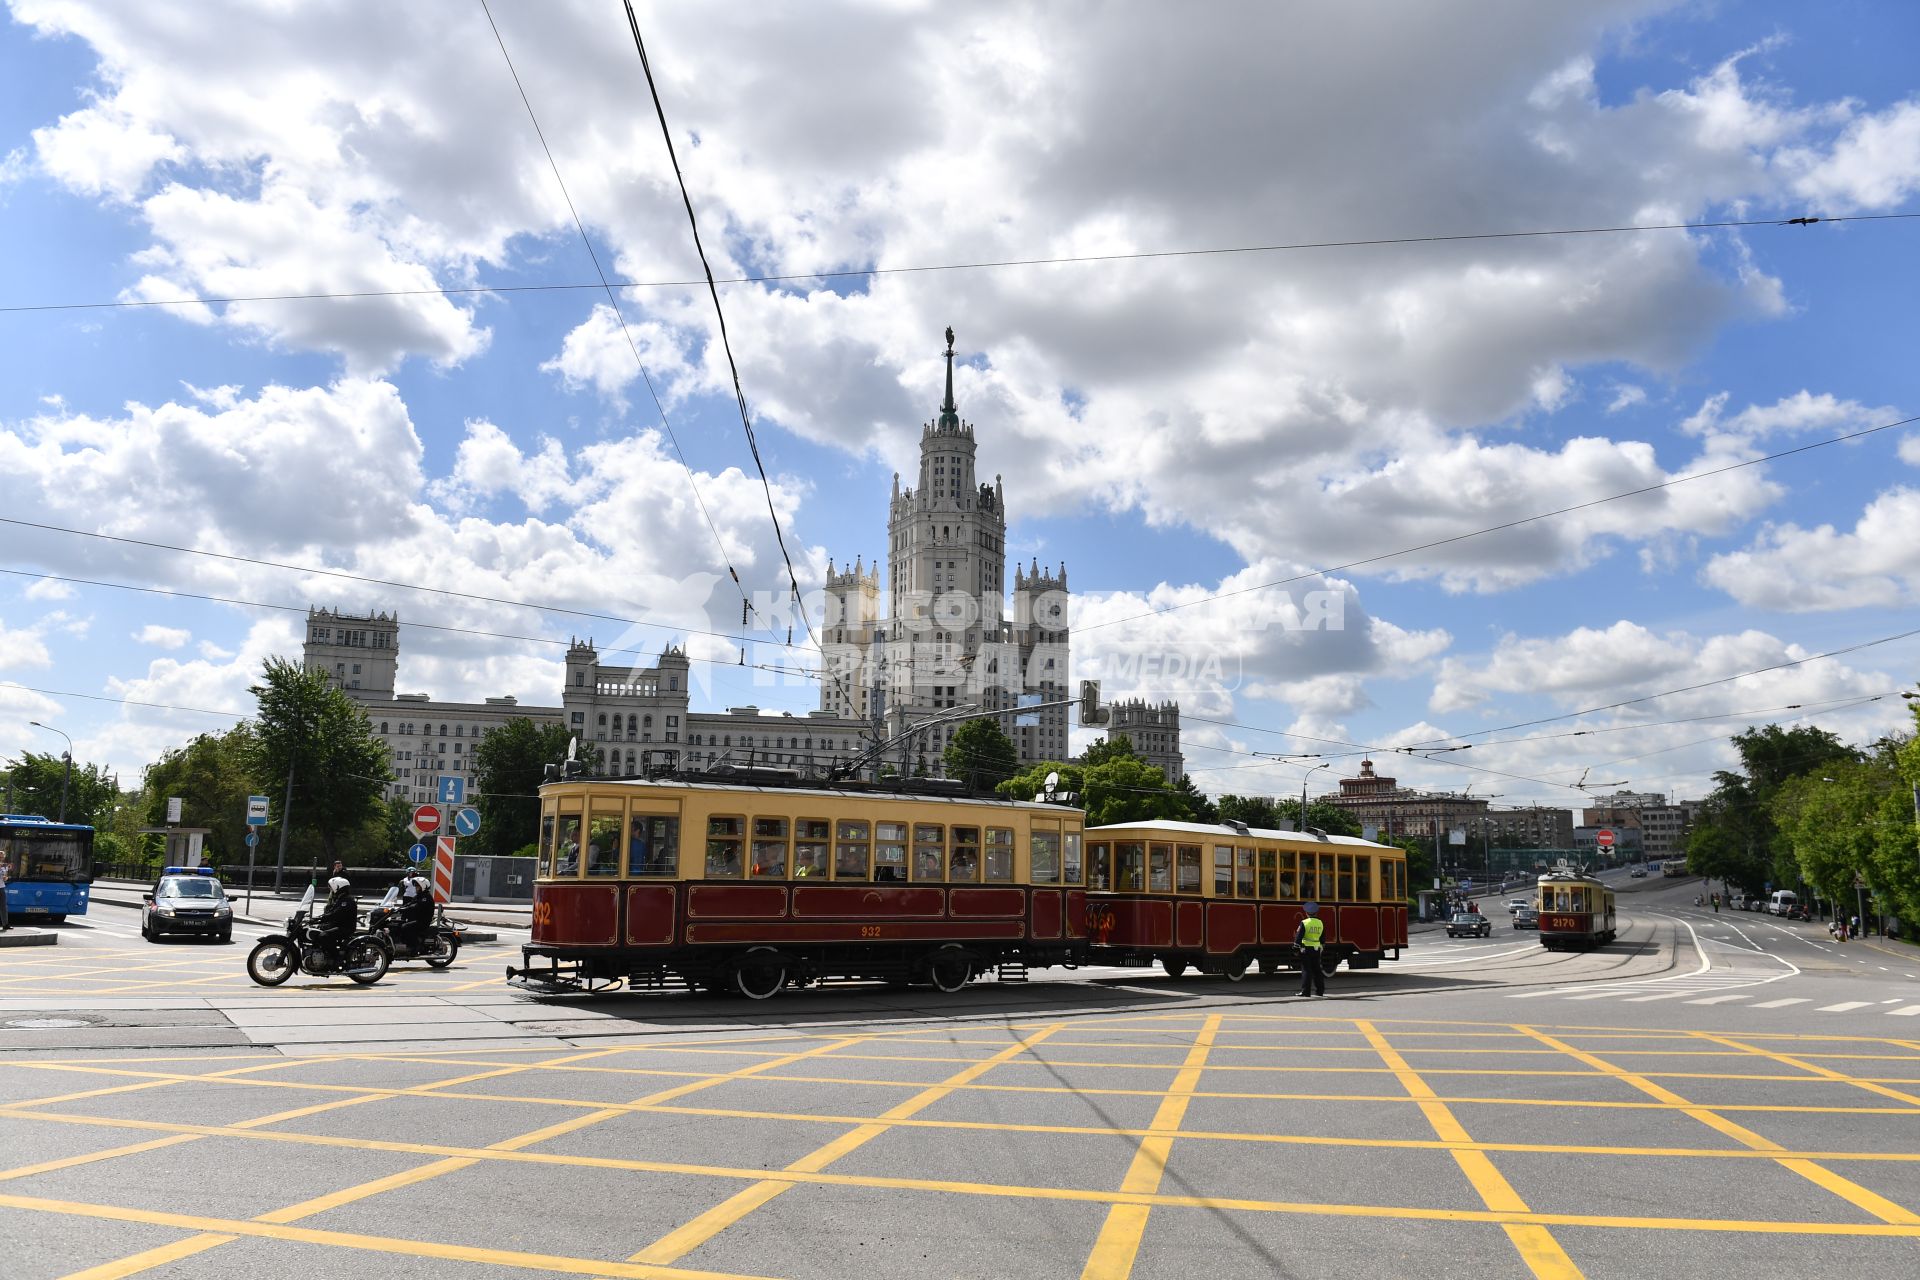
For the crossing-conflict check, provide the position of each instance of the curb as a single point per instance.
(23, 936)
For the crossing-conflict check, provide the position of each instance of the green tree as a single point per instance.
(308, 728)
(1123, 789)
(36, 782)
(1115, 746)
(981, 754)
(1255, 811)
(1200, 807)
(1329, 818)
(508, 767)
(212, 779)
(1746, 847)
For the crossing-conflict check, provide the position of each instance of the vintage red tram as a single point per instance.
(751, 888)
(1575, 911)
(1221, 898)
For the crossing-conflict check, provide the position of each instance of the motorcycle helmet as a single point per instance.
(339, 884)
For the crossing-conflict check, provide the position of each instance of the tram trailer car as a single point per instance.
(752, 888)
(1220, 899)
(1575, 911)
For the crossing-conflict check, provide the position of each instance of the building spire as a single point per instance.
(949, 412)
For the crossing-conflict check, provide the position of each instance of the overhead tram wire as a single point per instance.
(856, 273)
(613, 301)
(726, 343)
(1311, 574)
(480, 632)
(342, 574)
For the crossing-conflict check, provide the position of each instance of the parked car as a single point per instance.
(1638, 873)
(1468, 925)
(1526, 918)
(190, 903)
(1515, 905)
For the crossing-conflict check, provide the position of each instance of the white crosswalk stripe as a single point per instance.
(1781, 1004)
(1844, 1005)
(1908, 1012)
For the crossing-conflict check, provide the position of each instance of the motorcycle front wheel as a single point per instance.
(367, 960)
(272, 962)
(445, 948)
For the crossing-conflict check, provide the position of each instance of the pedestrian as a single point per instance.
(1854, 926)
(1307, 940)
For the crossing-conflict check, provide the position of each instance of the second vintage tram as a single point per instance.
(1575, 910)
(738, 886)
(1222, 898)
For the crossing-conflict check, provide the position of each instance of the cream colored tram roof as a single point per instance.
(677, 785)
(1229, 833)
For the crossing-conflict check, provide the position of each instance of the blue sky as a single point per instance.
(1168, 428)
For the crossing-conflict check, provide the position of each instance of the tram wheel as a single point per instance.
(950, 969)
(759, 975)
(1174, 968)
(1235, 968)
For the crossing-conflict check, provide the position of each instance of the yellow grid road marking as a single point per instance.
(134, 1264)
(1118, 1243)
(232, 1227)
(1538, 1249)
(1853, 1193)
(1825, 1073)
(678, 1243)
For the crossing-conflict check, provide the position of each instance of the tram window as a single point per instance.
(723, 847)
(1243, 873)
(1099, 866)
(851, 850)
(1288, 888)
(1160, 868)
(1187, 875)
(1346, 877)
(1363, 877)
(1130, 862)
(999, 855)
(929, 851)
(1070, 868)
(1309, 879)
(1222, 871)
(566, 847)
(1046, 856)
(1326, 873)
(1268, 881)
(546, 846)
(889, 851)
(769, 848)
(965, 868)
(653, 845)
(812, 842)
(603, 844)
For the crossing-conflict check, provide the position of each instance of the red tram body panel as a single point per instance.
(1217, 898)
(1575, 911)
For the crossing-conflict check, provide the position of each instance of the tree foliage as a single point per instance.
(36, 781)
(309, 728)
(212, 776)
(509, 766)
(982, 755)
(1120, 788)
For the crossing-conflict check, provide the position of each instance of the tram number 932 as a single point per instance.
(871, 930)
(542, 913)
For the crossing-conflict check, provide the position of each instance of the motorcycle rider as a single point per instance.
(416, 909)
(337, 921)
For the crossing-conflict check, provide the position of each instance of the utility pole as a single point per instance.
(286, 820)
(66, 775)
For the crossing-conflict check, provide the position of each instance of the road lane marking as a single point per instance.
(1907, 1012)
(1536, 1245)
(1843, 1006)
(1717, 999)
(1781, 1004)
(1118, 1244)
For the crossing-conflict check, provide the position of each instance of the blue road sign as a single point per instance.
(418, 853)
(256, 811)
(453, 791)
(253, 838)
(466, 822)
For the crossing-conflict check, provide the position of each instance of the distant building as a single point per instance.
(1662, 828)
(1379, 801)
(1154, 731)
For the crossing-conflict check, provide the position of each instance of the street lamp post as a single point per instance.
(66, 775)
(1303, 792)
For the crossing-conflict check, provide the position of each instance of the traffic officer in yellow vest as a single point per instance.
(1307, 941)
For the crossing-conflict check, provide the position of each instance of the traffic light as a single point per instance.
(1091, 712)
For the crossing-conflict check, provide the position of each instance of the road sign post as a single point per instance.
(253, 846)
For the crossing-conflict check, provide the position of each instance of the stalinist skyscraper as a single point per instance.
(946, 638)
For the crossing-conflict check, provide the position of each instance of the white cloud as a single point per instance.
(22, 648)
(213, 652)
(1910, 449)
(1875, 164)
(50, 589)
(598, 354)
(162, 637)
(1796, 570)
(1801, 411)
(1626, 396)
(1584, 661)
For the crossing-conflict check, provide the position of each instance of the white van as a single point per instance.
(1781, 902)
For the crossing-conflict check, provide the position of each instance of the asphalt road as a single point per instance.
(1709, 1092)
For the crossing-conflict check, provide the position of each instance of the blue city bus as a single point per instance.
(49, 867)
